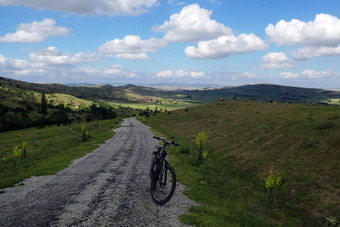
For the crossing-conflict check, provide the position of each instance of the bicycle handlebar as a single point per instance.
(165, 141)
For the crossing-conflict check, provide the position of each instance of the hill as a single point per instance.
(247, 139)
(267, 92)
(139, 94)
(22, 108)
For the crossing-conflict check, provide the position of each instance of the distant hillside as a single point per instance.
(93, 93)
(268, 92)
(132, 93)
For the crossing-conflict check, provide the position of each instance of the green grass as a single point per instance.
(49, 149)
(333, 101)
(298, 141)
(67, 100)
(166, 105)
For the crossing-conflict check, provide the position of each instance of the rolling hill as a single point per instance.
(132, 93)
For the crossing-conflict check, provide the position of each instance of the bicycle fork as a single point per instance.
(162, 172)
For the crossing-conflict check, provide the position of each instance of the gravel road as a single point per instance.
(108, 187)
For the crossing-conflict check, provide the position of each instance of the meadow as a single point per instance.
(49, 149)
(298, 142)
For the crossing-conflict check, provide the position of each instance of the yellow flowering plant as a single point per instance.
(272, 184)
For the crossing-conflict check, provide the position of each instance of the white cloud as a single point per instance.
(308, 52)
(314, 74)
(175, 2)
(132, 47)
(180, 74)
(192, 24)
(307, 74)
(164, 74)
(243, 75)
(52, 55)
(19, 66)
(274, 60)
(63, 73)
(35, 32)
(323, 31)
(86, 70)
(225, 45)
(288, 75)
(93, 7)
(140, 56)
(114, 69)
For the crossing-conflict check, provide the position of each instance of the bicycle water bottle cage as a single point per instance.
(159, 147)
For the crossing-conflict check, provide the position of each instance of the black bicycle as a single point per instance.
(163, 176)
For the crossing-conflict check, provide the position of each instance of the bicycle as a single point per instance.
(163, 176)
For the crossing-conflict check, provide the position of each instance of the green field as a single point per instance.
(174, 104)
(299, 142)
(49, 149)
(333, 101)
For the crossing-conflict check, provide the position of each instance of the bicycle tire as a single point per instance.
(163, 189)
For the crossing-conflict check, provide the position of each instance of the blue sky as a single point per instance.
(146, 42)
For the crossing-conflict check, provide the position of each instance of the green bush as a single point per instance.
(272, 184)
(19, 151)
(201, 151)
(85, 133)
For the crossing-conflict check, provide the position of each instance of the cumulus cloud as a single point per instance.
(140, 56)
(86, 70)
(308, 52)
(114, 69)
(225, 45)
(63, 73)
(180, 74)
(288, 75)
(93, 7)
(175, 2)
(192, 24)
(53, 55)
(274, 60)
(132, 47)
(307, 74)
(35, 31)
(312, 74)
(19, 67)
(323, 31)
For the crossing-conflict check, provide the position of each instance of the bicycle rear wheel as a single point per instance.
(163, 185)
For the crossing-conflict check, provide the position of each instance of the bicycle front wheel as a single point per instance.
(163, 185)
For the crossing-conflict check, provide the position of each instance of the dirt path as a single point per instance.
(108, 187)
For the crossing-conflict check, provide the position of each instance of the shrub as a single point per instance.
(19, 151)
(272, 184)
(201, 151)
(141, 118)
(85, 133)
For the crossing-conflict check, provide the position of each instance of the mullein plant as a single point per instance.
(85, 133)
(19, 152)
(201, 151)
(272, 184)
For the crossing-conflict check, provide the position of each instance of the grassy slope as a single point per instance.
(49, 149)
(67, 100)
(298, 141)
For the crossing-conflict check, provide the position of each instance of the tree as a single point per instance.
(43, 104)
